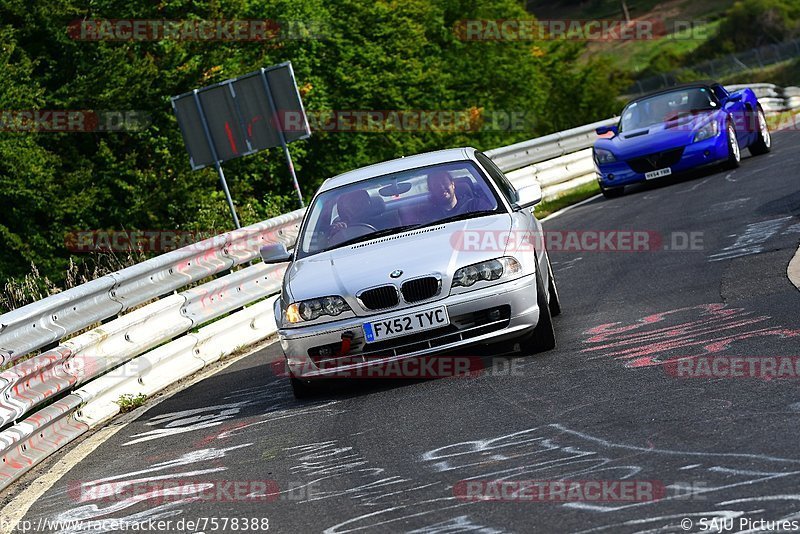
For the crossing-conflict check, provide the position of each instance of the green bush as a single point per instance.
(751, 24)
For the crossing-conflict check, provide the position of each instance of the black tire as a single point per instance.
(612, 192)
(554, 302)
(543, 337)
(734, 153)
(763, 143)
(303, 389)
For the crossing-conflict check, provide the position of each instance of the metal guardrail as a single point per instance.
(519, 155)
(151, 347)
(47, 321)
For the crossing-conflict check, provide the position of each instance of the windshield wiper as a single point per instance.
(405, 228)
(452, 218)
(367, 237)
(463, 216)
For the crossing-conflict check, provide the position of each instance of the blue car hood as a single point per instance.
(656, 137)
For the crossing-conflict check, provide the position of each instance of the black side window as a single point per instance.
(498, 177)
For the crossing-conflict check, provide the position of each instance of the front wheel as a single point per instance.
(734, 154)
(612, 192)
(302, 389)
(763, 142)
(555, 302)
(543, 336)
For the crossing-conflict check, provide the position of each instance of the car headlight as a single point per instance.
(602, 156)
(486, 270)
(707, 132)
(308, 310)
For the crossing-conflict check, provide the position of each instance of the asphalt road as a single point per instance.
(386, 456)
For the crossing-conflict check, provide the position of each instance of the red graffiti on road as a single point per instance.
(662, 337)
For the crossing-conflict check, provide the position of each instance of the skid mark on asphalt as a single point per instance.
(665, 336)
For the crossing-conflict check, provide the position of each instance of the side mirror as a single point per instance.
(603, 130)
(275, 253)
(528, 196)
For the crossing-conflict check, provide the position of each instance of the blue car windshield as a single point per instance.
(666, 107)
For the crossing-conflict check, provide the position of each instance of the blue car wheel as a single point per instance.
(734, 153)
(763, 142)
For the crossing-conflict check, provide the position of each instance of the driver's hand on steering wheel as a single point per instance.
(338, 227)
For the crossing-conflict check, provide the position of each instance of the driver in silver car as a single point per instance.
(353, 207)
(445, 198)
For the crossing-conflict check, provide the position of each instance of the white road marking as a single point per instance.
(695, 186)
(793, 270)
(564, 210)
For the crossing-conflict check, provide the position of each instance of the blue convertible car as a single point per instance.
(678, 129)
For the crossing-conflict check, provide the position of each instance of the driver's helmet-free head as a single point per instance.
(353, 206)
(440, 187)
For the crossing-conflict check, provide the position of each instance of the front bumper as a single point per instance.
(471, 321)
(695, 155)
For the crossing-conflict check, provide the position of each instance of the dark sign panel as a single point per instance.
(241, 116)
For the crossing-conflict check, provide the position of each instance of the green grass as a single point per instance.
(635, 56)
(783, 74)
(128, 402)
(612, 9)
(573, 196)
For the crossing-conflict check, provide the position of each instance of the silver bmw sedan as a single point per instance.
(411, 257)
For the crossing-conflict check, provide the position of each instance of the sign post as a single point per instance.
(217, 163)
(277, 120)
(243, 116)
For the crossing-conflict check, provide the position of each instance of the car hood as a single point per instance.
(656, 137)
(435, 249)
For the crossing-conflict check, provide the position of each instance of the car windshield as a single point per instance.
(666, 106)
(396, 202)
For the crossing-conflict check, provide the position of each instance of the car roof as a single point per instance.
(700, 83)
(396, 165)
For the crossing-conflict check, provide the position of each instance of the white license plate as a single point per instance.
(408, 323)
(657, 174)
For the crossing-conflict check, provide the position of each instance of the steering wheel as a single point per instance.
(362, 225)
(351, 231)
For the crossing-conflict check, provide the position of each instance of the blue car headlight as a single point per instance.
(708, 131)
(602, 156)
